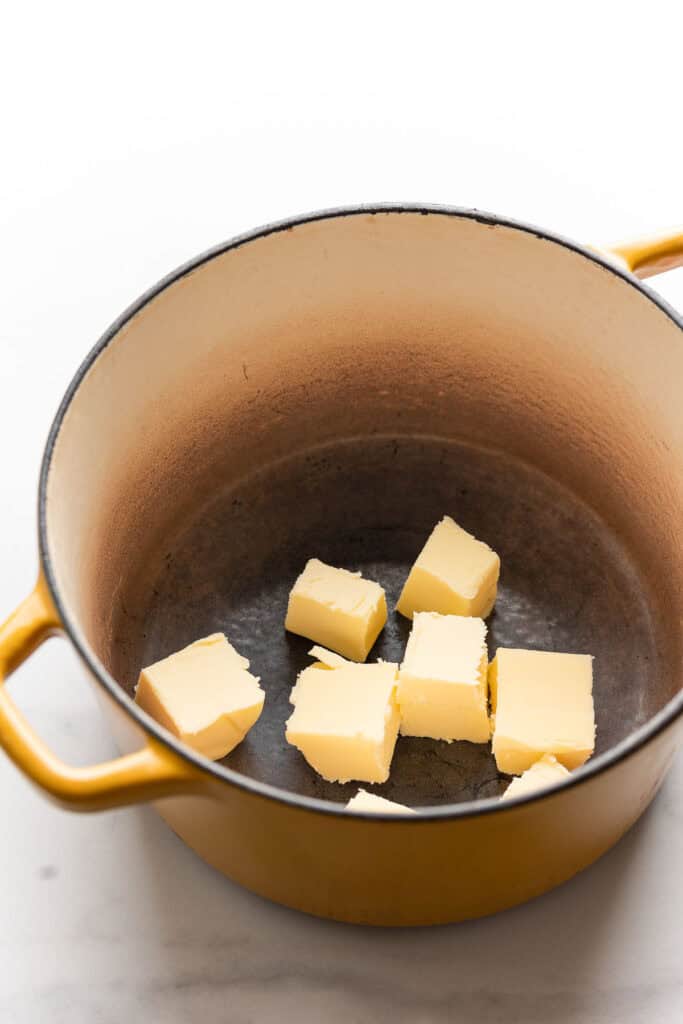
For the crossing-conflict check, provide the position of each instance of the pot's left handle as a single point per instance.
(148, 774)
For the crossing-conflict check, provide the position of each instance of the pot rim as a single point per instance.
(603, 762)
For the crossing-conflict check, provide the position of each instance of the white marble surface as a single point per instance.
(131, 143)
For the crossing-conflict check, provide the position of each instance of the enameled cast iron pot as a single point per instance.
(332, 386)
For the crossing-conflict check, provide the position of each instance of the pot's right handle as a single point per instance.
(649, 256)
(151, 773)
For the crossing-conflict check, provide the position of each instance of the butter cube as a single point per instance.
(546, 772)
(203, 694)
(364, 801)
(443, 687)
(337, 608)
(543, 704)
(345, 720)
(454, 574)
(328, 659)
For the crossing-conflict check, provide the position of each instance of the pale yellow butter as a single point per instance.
(203, 694)
(542, 704)
(345, 720)
(337, 608)
(328, 658)
(443, 687)
(546, 772)
(454, 574)
(364, 801)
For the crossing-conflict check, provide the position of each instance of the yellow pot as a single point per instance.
(334, 381)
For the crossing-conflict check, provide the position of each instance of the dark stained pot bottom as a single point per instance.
(567, 585)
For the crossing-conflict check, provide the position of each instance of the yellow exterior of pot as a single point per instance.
(417, 872)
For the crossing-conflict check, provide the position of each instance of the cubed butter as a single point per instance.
(443, 688)
(542, 704)
(345, 720)
(364, 801)
(327, 658)
(546, 772)
(337, 608)
(455, 574)
(203, 694)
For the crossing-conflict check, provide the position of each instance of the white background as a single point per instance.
(131, 138)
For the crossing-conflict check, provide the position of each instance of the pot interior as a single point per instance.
(369, 504)
(332, 390)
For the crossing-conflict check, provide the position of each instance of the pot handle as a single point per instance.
(148, 774)
(649, 256)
